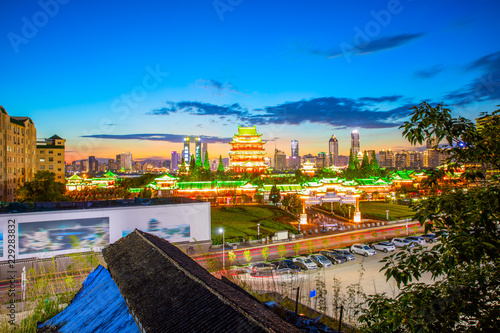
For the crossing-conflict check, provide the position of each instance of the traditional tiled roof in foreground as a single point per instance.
(167, 291)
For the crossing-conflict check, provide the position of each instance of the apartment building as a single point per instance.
(50, 156)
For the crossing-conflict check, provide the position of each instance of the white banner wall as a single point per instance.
(46, 234)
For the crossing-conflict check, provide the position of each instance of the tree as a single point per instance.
(220, 167)
(352, 164)
(206, 162)
(465, 263)
(182, 168)
(296, 248)
(274, 195)
(192, 164)
(265, 253)
(281, 251)
(43, 188)
(374, 164)
(365, 165)
(247, 255)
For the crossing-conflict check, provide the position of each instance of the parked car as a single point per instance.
(284, 272)
(416, 239)
(320, 260)
(260, 266)
(384, 246)
(287, 263)
(430, 238)
(363, 249)
(400, 242)
(305, 263)
(344, 253)
(333, 257)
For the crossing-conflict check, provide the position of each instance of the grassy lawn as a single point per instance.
(241, 222)
(377, 210)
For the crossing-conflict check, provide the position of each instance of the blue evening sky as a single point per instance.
(113, 76)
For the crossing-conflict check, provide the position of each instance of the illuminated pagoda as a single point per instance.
(247, 151)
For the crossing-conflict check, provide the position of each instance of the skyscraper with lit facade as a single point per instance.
(355, 142)
(247, 151)
(185, 152)
(295, 148)
(197, 149)
(333, 151)
(175, 160)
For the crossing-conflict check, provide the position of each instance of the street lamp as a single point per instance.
(223, 261)
(258, 230)
(387, 215)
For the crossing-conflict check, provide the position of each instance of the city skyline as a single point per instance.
(141, 77)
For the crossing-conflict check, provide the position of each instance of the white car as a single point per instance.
(416, 239)
(305, 263)
(400, 242)
(363, 249)
(384, 246)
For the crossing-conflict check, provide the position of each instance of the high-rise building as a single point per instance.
(17, 154)
(355, 142)
(321, 160)
(197, 149)
(111, 164)
(84, 165)
(247, 151)
(294, 148)
(93, 164)
(279, 160)
(370, 154)
(185, 152)
(386, 158)
(126, 161)
(333, 151)
(401, 159)
(50, 156)
(175, 160)
(118, 164)
(204, 149)
(343, 160)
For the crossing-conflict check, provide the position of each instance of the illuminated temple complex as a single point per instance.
(247, 151)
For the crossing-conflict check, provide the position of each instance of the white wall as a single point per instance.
(51, 233)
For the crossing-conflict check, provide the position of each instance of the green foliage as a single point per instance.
(310, 247)
(247, 255)
(362, 238)
(281, 251)
(325, 243)
(265, 253)
(206, 162)
(465, 263)
(220, 167)
(274, 195)
(296, 248)
(43, 188)
(231, 256)
(182, 167)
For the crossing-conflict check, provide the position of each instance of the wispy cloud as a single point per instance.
(218, 87)
(485, 87)
(428, 73)
(201, 109)
(338, 112)
(175, 138)
(368, 46)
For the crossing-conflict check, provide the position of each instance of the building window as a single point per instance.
(42, 160)
(59, 162)
(51, 159)
(42, 167)
(42, 151)
(59, 170)
(51, 151)
(58, 154)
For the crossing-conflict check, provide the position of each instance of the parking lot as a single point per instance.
(365, 270)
